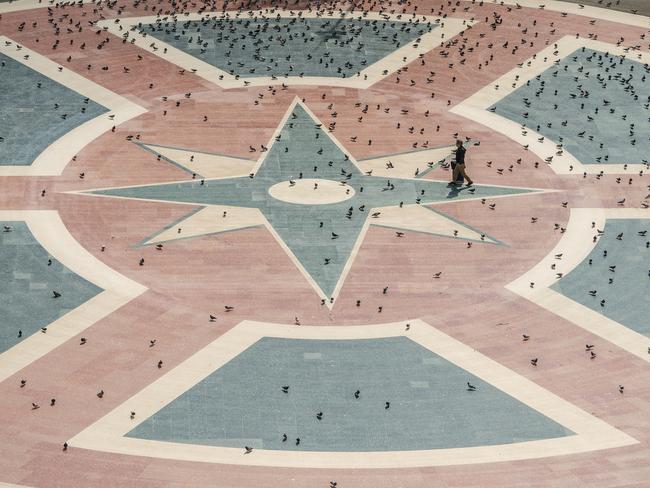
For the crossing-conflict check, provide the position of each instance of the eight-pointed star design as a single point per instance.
(315, 199)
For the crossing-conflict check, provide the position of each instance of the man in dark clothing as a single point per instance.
(459, 166)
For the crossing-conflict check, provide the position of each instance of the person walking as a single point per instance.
(459, 166)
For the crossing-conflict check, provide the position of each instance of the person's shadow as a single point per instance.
(454, 191)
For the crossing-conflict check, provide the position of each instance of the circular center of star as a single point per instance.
(311, 191)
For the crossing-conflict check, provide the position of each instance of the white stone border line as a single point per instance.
(107, 434)
(49, 230)
(54, 158)
(576, 244)
(476, 106)
(582, 10)
(446, 29)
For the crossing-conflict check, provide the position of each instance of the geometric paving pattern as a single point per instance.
(348, 48)
(313, 405)
(160, 161)
(28, 278)
(317, 200)
(581, 128)
(614, 279)
(29, 101)
(581, 277)
(287, 47)
(429, 406)
(593, 103)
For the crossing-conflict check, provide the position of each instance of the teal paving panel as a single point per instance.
(596, 104)
(312, 47)
(27, 283)
(430, 408)
(304, 150)
(627, 297)
(35, 111)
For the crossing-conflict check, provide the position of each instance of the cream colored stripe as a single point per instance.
(446, 29)
(56, 156)
(576, 244)
(475, 107)
(585, 11)
(107, 433)
(49, 230)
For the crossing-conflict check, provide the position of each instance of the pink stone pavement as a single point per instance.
(249, 270)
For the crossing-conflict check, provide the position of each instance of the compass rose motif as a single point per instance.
(314, 197)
